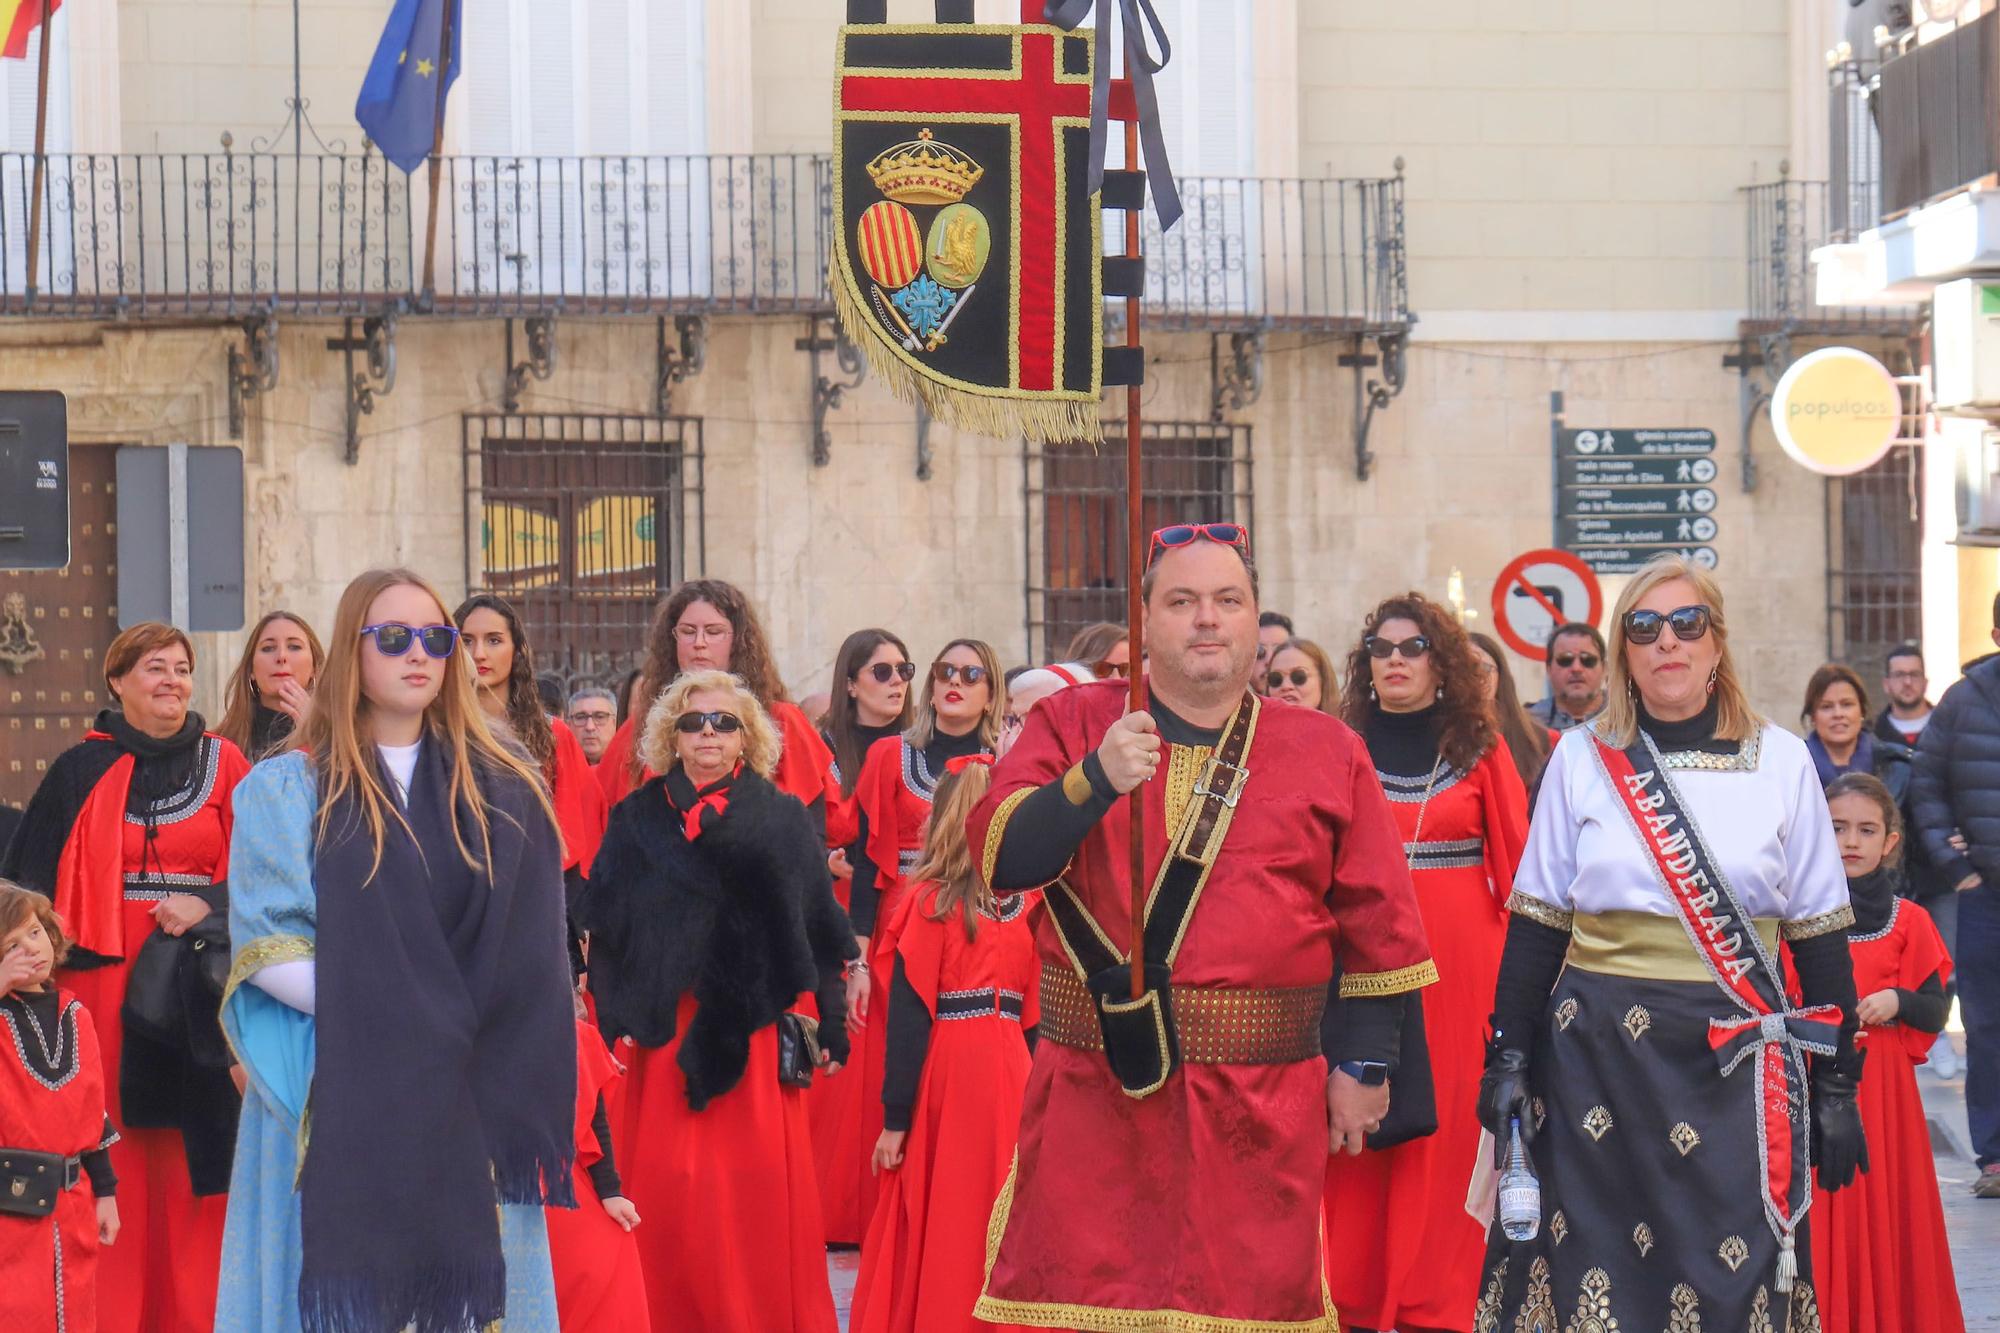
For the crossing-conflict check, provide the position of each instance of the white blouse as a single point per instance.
(1763, 816)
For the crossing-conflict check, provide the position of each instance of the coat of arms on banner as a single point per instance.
(966, 240)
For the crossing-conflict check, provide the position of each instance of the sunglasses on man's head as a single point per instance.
(950, 673)
(724, 723)
(1184, 534)
(884, 672)
(393, 639)
(1568, 660)
(1411, 648)
(1276, 679)
(1687, 622)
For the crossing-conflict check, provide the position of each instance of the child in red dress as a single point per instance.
(52, 1125)
(961, 1000)
(600, 1287)
(1880, 1258)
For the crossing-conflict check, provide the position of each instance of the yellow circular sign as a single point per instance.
(1836, 411)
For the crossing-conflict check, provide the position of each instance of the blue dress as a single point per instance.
(272, 914)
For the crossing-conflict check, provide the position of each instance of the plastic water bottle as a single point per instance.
(1520, 1192)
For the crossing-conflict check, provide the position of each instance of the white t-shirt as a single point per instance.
(401, 761)
(1911, 727)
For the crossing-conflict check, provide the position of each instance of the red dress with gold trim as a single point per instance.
(1881, 1259)
(49, 1265)
(924, 1260)
(1401, 1251)
(1198, 1207)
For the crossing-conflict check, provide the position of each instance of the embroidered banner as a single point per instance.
(966, 242)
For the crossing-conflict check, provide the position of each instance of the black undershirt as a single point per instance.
(42, 1011)
(604, 1171)
(867, 735)
(1874, 898)
(863, 898)
(1404, 745)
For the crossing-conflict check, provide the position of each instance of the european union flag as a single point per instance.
(398, 105)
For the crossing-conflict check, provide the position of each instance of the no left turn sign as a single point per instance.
(1537, 592)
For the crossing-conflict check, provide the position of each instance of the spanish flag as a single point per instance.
(18, 18)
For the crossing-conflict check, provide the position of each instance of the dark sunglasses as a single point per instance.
(950, 673)
(394, 638)
(1411, 648)
(1566, 660)
(884, 672)
(1687, 622)
(1183, 534)
(724, 723)
(1105, 669)
(1297, 675)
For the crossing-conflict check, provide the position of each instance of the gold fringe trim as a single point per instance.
(261, 953)
(1539, 912)
(989, 855)
(1403, 979)
(1045, 420)
(1840, 918)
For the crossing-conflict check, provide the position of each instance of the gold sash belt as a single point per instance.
(1215, 1026)
(1644, 945)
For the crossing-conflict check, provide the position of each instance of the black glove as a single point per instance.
(1839, 1147)
(1504, 1097)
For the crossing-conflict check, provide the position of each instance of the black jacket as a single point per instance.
(1955, 779)
(743, 917)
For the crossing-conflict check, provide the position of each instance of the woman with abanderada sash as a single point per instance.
(1674, 1099)
(397, 926)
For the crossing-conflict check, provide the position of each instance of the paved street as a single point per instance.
(1974, 1224)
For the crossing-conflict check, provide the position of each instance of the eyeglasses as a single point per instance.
(884, 672)
(950, 673)
(1411, 648)
(1297, 675)
(1687, 622)
(1182, 534)
(393, 639)
(591, 719)
(724, 723)
(703, 633)
(1106, 668)
(1906, 675)
(1567, 660)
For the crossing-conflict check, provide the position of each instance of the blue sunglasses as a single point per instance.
(394, 638)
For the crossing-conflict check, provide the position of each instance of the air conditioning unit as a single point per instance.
(1965, 340)
(1977, 490)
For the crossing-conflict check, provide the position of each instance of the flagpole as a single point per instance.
(41, 156)
(437, 148)
(1135, 556)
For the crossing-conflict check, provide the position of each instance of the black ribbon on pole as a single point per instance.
(1140, 67)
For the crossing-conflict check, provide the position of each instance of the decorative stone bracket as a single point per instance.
(540, 332)
(378, 343)
(253, 368)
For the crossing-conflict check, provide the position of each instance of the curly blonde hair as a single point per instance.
(761, 740)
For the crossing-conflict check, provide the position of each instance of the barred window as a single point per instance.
(1873, 593)
(1193, 472)
(583, 523)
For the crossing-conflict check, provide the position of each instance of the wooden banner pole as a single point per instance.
(1135, 565)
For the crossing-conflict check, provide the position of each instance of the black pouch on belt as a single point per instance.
(1139, 1037)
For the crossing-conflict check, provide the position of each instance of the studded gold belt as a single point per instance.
(1215, 1026)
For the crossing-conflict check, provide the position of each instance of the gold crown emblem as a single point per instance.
(922, 171)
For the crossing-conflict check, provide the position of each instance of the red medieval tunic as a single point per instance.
(600, 1287)
(804, 765)
(890, 804)
(729, 1236)
(1198, 1207)
(161, 1275)
(578, 799)
(1401, 1251)
(925, 1257)
(49, 1265)
(1881, 1260)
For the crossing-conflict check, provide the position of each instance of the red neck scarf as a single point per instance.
(700, 809)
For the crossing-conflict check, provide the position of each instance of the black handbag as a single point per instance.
(175, 987)
(31, 1182)
(798, 1050)
(1413, 1110)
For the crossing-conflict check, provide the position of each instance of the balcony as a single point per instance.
(1940, 114)
(1787, 221)
(233, 235)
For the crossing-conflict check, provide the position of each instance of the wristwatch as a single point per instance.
(1368, 1073)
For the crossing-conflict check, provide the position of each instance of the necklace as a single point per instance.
(1409, 849)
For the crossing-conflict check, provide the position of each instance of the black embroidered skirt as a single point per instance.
(1652, 1215)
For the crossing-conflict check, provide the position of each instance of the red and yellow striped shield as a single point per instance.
(892, 249)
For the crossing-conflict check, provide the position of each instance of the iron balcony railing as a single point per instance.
(1787, 220)
(230, 235)
(1854, 150)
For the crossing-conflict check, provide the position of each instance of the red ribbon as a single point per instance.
(959, 764)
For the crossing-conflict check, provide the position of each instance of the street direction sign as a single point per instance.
(1610, 470)
(1670, 530)
(1630, 559)
(1635, 501)
(1586, 442)
(1538, 591)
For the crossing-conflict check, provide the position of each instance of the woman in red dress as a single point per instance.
(1881, 1260)
(709, 625)
(600, 1287)
(51, 1102)
(711, 919)
(959, 711)
(871, 702)
(129, 833)
(1407, 1255)
(961, 998)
